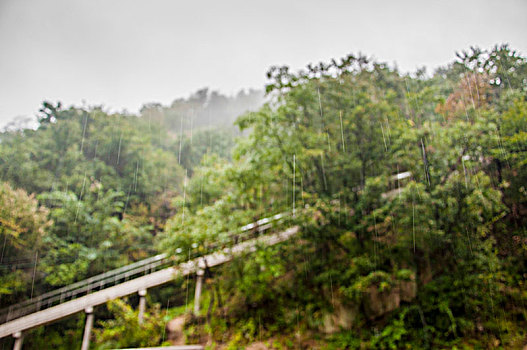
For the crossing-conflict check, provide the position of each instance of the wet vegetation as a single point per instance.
(409, 189)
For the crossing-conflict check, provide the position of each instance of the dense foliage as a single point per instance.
(410, 191)
(101, 187)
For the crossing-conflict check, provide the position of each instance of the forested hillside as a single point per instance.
(204, 108)
(409, 191)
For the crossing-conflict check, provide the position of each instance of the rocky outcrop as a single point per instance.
(378, 303)
(342, 317)
(408, 289)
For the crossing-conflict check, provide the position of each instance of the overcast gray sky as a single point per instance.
(123, 53)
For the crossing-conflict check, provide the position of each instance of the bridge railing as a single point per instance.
(142, 267)
(84, 287)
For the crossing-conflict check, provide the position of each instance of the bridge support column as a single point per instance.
(197, 293)
(19, 338)
(142, 305)
(87, 328)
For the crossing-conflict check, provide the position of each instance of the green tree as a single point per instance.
(23, 227)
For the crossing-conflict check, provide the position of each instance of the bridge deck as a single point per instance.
(135, 285)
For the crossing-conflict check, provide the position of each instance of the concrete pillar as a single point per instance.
(87, 328)
(19, 338)
(142, 305)
(197, 293)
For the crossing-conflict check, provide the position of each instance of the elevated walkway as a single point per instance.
(130, 279)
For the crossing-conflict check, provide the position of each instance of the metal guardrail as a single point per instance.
(122, 274)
